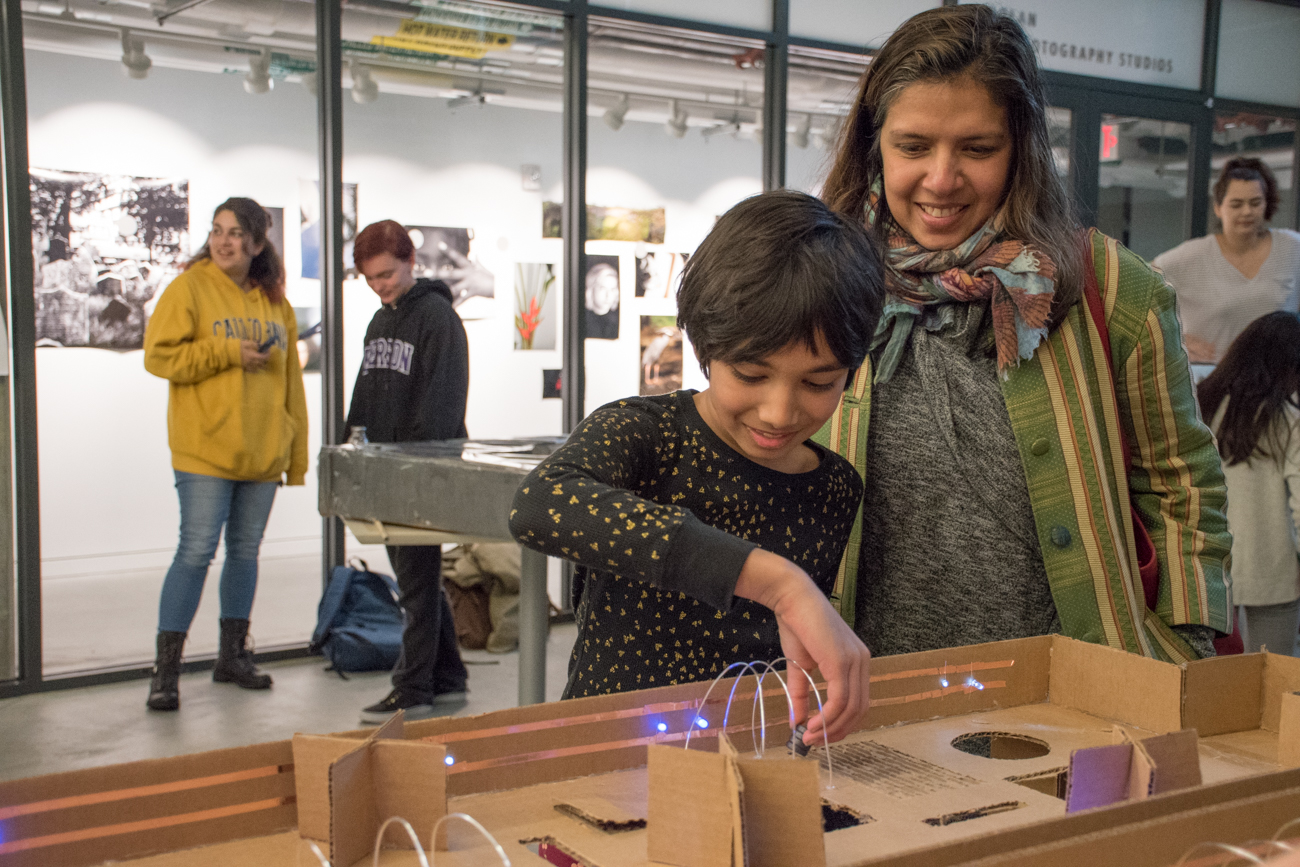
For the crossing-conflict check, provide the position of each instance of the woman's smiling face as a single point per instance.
(946, 155)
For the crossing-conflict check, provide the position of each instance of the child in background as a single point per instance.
(1252, 400)
(707, 528)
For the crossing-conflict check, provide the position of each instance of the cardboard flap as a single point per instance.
(392, 729)
(690, 812)
(1141, 773)
(1176, 760)
(601, 813)
(781, 812)
(353, 816)
(1098, 777)
(1223, 694)
(1288, 732)
(410, 780)
(312, 757)
(1115, 685)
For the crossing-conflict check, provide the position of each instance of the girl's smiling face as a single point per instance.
(946, 157)
(766, 409)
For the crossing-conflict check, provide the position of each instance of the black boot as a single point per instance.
(164, 688)
(234, 661)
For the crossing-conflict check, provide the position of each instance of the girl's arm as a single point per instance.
(174, 347)
(578, 505)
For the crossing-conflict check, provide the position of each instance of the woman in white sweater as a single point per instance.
(1253, 399)
(1228, 279)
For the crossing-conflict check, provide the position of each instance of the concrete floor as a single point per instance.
(65, 730)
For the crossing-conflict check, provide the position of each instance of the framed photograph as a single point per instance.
(602, 297)
(662, 355)
(442, 253)
(104, 246)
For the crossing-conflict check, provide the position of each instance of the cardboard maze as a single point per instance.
(970, 752)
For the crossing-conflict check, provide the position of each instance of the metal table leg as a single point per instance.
(534, 623)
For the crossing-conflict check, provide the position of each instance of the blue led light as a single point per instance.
(973, 683)
(943, 682)
(701, 722)
(449, 761)
(663, 727)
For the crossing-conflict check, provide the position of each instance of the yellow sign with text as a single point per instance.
(433, 38)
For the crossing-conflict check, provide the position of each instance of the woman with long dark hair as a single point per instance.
(1253, 401)
(1244, 270)
(225, 338)
(989, 425)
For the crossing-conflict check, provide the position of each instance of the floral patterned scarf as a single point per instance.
(1018, 279)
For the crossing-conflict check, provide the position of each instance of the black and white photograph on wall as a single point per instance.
(309, 207)
(309, 322)
(104, 247)
(661, 355)
(443, 253)
(658, 273)
(536, 310)
(602, 297)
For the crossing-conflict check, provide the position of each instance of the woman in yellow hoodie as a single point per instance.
(225, 338)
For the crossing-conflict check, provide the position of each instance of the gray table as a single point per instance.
(446, 492)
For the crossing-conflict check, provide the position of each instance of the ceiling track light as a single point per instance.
(614, 116)
(135, 63)
(676, 125)
(799, 137)
(258, 77)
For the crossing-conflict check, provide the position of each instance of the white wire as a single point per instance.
(465, 817)
(770, 668)
(826, 747)
(410, 832)
(315, 850)
(1235, 851)
(1283, 829)
(691, 728)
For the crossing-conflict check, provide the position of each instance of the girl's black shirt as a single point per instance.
(660, 514)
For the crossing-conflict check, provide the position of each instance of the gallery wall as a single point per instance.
(107, 502)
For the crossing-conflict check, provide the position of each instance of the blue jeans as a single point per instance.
(207, 504)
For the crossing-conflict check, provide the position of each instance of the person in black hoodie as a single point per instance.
(412, 387)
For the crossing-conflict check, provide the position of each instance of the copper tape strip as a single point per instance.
(583, 749)
(140, 791)
(937, 693)
(966, 668)
(143, 825)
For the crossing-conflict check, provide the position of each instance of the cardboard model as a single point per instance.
(346, 790)
(966, 751)
(719, 809)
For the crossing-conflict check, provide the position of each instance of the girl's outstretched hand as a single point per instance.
(814, 636)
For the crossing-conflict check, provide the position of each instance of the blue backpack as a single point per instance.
(359, 623)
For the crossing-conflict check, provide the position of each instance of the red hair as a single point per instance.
(386, 236)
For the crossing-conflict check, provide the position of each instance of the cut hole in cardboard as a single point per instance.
(977, 813)
(837, 817)
(1054, 782)
(1001, 745)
